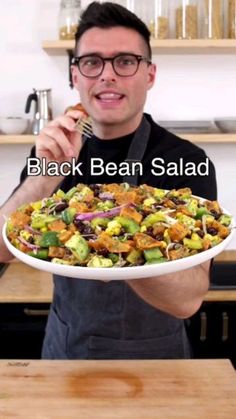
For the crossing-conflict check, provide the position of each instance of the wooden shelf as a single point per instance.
(17, 139)
(218, 138)
(220, 295)
(226, 256)
(160, 46)
(195, 138)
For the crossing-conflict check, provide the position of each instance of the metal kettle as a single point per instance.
(42, 110)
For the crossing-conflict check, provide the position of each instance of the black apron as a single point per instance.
(92, 319)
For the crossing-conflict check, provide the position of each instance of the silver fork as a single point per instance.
(84, 126)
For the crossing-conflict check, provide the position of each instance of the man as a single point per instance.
(140, 318)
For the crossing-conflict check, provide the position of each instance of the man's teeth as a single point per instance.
(109, 96)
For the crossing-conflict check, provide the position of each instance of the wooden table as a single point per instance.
(169, 389)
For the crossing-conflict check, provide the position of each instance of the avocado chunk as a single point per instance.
(128, 224)
(49, 238)
(106, 205)
(99, 222)
(134, 257)
(193, 206)
(60, 194)
(70, 193)
(159, 193)
(78, 246)
(41, 220)
(153, 253)
(200, 212)
(98, 261)
(195, 244)
(225, 220)
(153, 218)
(68, 215)
(184, 219)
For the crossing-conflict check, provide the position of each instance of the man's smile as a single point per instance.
(109, 96)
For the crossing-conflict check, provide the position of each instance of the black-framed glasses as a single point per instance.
(124, 65)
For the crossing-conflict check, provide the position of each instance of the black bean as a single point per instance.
(79, 224)
(95, 188)
(149, 231)
(61, 206)
(103, 252)
(215, 214)
(200, 233)
(145, 213)
(212, 231)
(88, 229)
(178, 201)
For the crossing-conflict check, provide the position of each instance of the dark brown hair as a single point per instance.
(107, 15)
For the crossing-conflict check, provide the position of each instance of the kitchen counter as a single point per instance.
(166, 389)
(20, 283)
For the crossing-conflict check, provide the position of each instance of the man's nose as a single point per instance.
(108, 71)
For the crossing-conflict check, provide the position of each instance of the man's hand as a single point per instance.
(60, 141)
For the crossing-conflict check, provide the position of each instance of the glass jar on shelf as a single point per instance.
(186, 19)
(142, 10)
(159, 26)
(68, 18)
(231, 19)
(213, 18)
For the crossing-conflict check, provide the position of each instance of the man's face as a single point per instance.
(111, 99)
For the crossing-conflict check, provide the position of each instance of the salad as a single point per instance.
(116, 225)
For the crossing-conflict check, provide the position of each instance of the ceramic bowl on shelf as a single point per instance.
(12, 125)
(226, 124)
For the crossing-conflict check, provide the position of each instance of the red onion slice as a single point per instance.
(87, 216)
(31, 230)
(29, 245)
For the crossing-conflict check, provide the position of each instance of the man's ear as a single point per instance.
(152, 71)
(74, 74)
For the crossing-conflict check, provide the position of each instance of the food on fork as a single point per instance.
(117, 225)
(84, 124)
(77, 107)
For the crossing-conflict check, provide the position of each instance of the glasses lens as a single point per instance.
(90, 66)
(123, 65)
(126, 65)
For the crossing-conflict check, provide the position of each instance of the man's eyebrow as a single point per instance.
(112, 55)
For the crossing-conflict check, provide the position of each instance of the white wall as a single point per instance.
(187, 87)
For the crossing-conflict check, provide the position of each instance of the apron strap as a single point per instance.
(137, 149)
